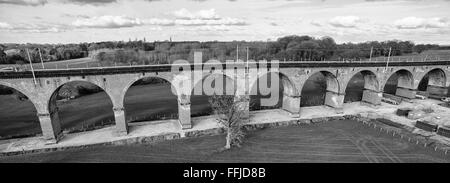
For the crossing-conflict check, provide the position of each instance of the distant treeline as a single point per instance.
(140, 51)
(17, 53)
(294, 48)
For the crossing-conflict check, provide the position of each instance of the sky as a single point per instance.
(75, 21)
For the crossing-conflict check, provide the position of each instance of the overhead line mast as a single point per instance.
(31, 65)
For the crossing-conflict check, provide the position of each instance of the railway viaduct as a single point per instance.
(115, 81)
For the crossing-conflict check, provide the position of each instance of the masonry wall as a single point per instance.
(116, 85)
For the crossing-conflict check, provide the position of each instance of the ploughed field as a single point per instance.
(333, 141)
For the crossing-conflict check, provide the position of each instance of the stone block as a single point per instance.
(372, 97)
(406, 93)
(334, 100)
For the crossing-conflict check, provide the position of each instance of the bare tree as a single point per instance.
(230, 113)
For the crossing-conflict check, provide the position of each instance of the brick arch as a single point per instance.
(290, 98)
(36, 104)
(196, 98)
(285, 79)
(24, 92)
(359, 69)
(96, 82)
(371, 79)
(215, 74)
(289, 84)
(333, 95)
(437, 76)
(448, 77)
(213, 67)
(51, 104)
(134, 80)
(409, 75)
(333, 83)
(131, 82)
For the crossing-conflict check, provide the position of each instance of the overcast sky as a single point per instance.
(74, 21)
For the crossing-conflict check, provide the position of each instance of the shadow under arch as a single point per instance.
(286, 89)
(81, 106)
(433, 84)
(316, 87)
(150, 98)
(361, 82)
(200, 99)
(18, 114)
(399, 82)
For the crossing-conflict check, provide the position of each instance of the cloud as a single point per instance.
(74, 15)
(24, 2)
(437, 22)
(415, 23)
(207, 28)
(158, 21)
(33, 27)
(389, 0)
(409, 23)
(43, 2)
(345, 21)
(90, 2)
(222, 21)
(4, 25)
(316, 23)
(107, 21)
(207, 0)
(202, 14)
(287, 4)
(204, 17)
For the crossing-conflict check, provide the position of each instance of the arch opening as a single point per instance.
(363, 86)
(81, 106)
(400, 83)
(316, 87)
(18, 115)
(286, 94)
(200, 105)
(433, 84)
(150, 99)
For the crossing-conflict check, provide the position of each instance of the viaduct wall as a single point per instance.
(116, 81)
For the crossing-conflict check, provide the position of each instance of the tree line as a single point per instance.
(291, 48)
(18, 53)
